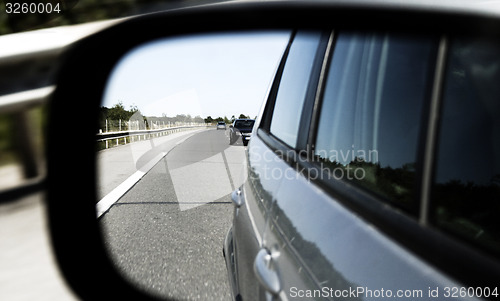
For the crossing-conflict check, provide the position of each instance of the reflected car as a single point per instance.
(241, 128)
(361, 169)
(221, 125)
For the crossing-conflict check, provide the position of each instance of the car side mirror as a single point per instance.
(81, 84)
(75, 198)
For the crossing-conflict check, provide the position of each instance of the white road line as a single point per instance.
(106, 202)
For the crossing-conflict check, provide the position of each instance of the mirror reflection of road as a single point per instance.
(166, 233)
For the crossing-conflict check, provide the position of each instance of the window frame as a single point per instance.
(307, 108)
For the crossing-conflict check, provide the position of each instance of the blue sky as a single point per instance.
(206, 75)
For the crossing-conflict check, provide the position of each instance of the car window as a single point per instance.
(466, 190)
(293, 87)
(244, 124)
(370, 120)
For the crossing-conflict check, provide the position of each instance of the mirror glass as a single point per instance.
(166, 165)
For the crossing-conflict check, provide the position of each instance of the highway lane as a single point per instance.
(166, 233)
(116, 164)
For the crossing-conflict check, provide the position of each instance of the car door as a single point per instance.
(279, 135)
(252, 207)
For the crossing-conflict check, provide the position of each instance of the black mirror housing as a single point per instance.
(86, 66)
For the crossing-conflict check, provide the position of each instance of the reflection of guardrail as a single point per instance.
(125, 137)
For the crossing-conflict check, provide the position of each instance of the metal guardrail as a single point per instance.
(17, 105)
(146, 134)
(22, 101)
(28, 62)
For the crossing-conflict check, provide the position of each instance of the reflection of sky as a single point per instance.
(373, 99)
(207, 75)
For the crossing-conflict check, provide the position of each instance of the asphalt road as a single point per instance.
(166, 233)
(116, 164)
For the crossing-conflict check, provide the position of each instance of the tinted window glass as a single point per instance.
(466, 192)
(370, 118)
(244, 124)
(293, 87)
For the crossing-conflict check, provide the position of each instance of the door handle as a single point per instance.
(237, 198)
(266, 271)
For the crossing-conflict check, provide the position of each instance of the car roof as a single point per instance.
(487, 8)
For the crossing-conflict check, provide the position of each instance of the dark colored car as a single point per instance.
(373, 171)
(241, 128)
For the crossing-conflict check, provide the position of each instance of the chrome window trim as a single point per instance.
(432, 131)
(319, 93)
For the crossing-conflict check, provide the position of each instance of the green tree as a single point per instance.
(118, 112)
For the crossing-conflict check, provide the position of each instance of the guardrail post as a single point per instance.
(25, 144)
